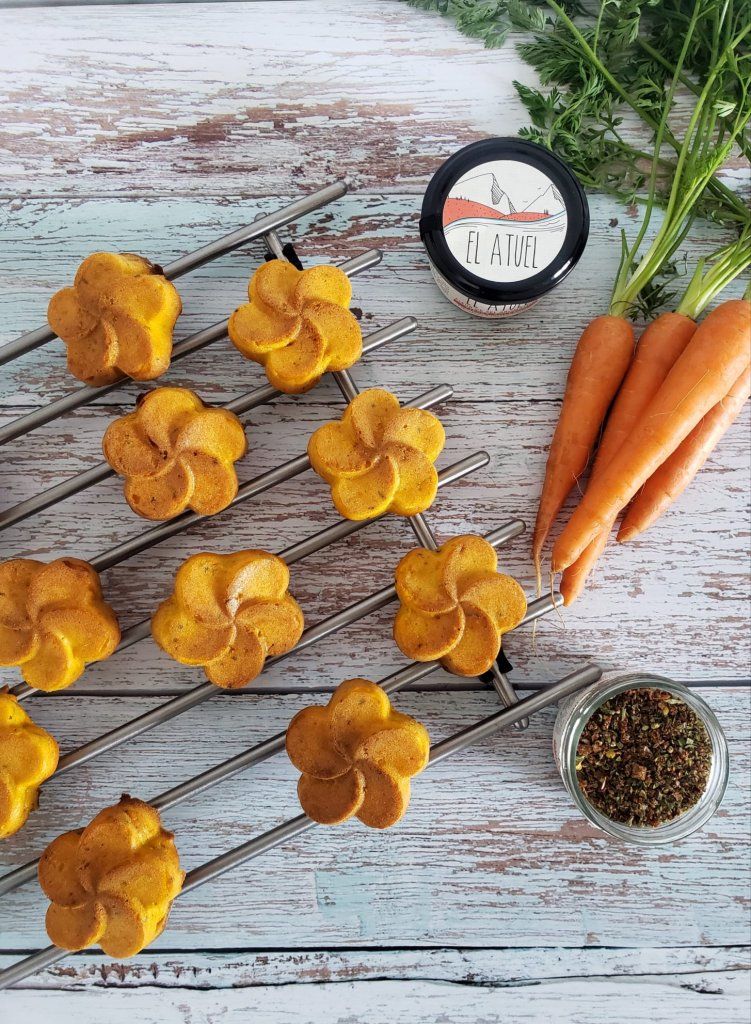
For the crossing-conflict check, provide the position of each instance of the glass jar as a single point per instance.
(573, 715)
(503, 222)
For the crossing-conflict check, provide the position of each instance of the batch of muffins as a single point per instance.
(113, 882)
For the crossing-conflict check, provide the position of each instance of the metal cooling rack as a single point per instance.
(516, 711)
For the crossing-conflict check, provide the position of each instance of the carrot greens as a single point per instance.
(708, 142)
(604, 64)
(623, 64)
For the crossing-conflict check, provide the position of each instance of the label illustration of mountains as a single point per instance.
(481, 199)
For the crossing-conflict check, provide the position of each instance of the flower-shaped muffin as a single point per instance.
(297, 324)
(175, 453)
(53, 620)
(28, 756)
(356, 755)
(228, 613)
(113, 882)
(455, 606)
(117, 318)
(379, 457)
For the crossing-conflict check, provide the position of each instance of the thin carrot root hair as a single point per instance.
(537, 559)
(558, 610)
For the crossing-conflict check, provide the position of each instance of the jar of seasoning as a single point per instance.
(691, 751)
(503, 222)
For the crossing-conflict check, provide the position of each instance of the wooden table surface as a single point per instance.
(156, 128)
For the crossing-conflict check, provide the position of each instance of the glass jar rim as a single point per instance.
(582, 707)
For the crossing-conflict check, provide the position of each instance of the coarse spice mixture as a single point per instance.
(643, 758)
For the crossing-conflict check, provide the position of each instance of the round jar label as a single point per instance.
(504, 221)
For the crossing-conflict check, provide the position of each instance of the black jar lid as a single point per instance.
(543, 216)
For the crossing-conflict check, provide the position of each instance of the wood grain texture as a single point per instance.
(156, 128)
(705, 985)
(506, 967)
(426, 1002)
(245, 99)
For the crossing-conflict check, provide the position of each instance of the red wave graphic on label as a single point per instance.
(460, 209)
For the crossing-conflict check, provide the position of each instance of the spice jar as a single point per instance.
(503, 222)
(576, 711)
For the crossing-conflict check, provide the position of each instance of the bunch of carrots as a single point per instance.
(681, 391)
(672, 397)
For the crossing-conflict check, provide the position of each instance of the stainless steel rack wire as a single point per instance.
(190, 698)
(239, 406)
(517, 711)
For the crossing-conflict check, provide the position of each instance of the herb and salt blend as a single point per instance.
(643, 758)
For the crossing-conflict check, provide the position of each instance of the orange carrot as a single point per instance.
(659, 347)
(703, 374)
(597, 369)
(676, 473)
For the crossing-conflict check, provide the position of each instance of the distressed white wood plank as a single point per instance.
(699, 968)
(491, 852)
(198, 98)
(643, 1001)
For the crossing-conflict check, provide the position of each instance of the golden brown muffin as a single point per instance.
(228, 613)
(53, 620)
(379, 457)
(297, 324)
(28, 756)
(175, 453)
(356, 755)
(455, 605)
(117, 318)
(113, 882)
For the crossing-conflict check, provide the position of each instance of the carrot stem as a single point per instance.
(700, 155)
(729, 262)
(728, 197)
